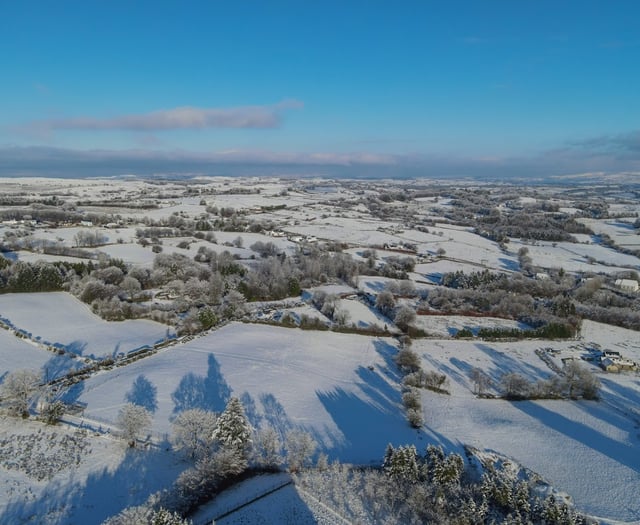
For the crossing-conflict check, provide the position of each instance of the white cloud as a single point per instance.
(186, 117)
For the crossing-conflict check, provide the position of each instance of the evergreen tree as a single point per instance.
(233, 429)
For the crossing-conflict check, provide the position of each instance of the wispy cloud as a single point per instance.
(186, 117)
(605, 155)
(622, 143)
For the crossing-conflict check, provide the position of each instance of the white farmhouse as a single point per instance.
(627, 285)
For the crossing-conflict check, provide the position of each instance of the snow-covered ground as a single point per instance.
(16, 354)
(576, 257)
(62, 475)
(449, 325)
(342, 388)
(60, 319)
(588, 449)
(620, 230)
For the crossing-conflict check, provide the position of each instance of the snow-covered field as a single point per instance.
(48, 479)
(575, 257)
(17, 353)
(620, 230)
(45, 317)
(342, 388)
(449, 325)
(588, 449)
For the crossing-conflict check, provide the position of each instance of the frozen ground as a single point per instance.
(60, 319)
(449, 325)
(588, 449)
(576, 257)
(342, 388)
(83, 484)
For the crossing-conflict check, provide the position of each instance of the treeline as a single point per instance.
(553, 307)
(436, 488)
(530, 225)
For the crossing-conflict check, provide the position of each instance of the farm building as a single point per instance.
(618, 364)
(627, 285)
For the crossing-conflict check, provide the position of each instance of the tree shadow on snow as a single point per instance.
(504, 363)
(251, 410)
(581, 433)
(388, 352)
(104, 494)
(76, 347)
(509, 264)
(275, 415)
(372, 417)
(143, 393)
(208, 393)
(59, 365)
(73, 393)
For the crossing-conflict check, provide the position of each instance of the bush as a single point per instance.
(408, 360)
(414, 417)
(53, 412)
(411, 399)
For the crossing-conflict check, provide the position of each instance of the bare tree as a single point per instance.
(481, 381)
(405, 318)
(341, 316)
(193, 431)
(18, 391)
(408, 360)
(267, 448)
(300, 449)
(133, 420)
(514, 386)
(385, 302)
(580, 381)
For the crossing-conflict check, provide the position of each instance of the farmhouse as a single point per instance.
(627, 285)
(618, 364)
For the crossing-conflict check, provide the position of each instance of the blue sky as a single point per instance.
(465, 88)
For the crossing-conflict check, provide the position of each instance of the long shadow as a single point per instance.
(509, 264)
(104, 494)
(367, 427)
(375, 286)
(625, 400)
(59, 365)
(76, 347)
(581, 433)
(73, 393)
(373, 416)
(275, 415)
(208, 393)
(143, 393)
(251, 410)
(505, 363)
(388, 352)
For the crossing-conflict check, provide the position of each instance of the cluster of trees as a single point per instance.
(558, 302)
(528, 224)
(90, 238)
(31, 277)
(221, 448)
(403, 316)
(575, 381)
(22, 389)
(542, 304)
(414, 379)
(473, 280)
(434, 487)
